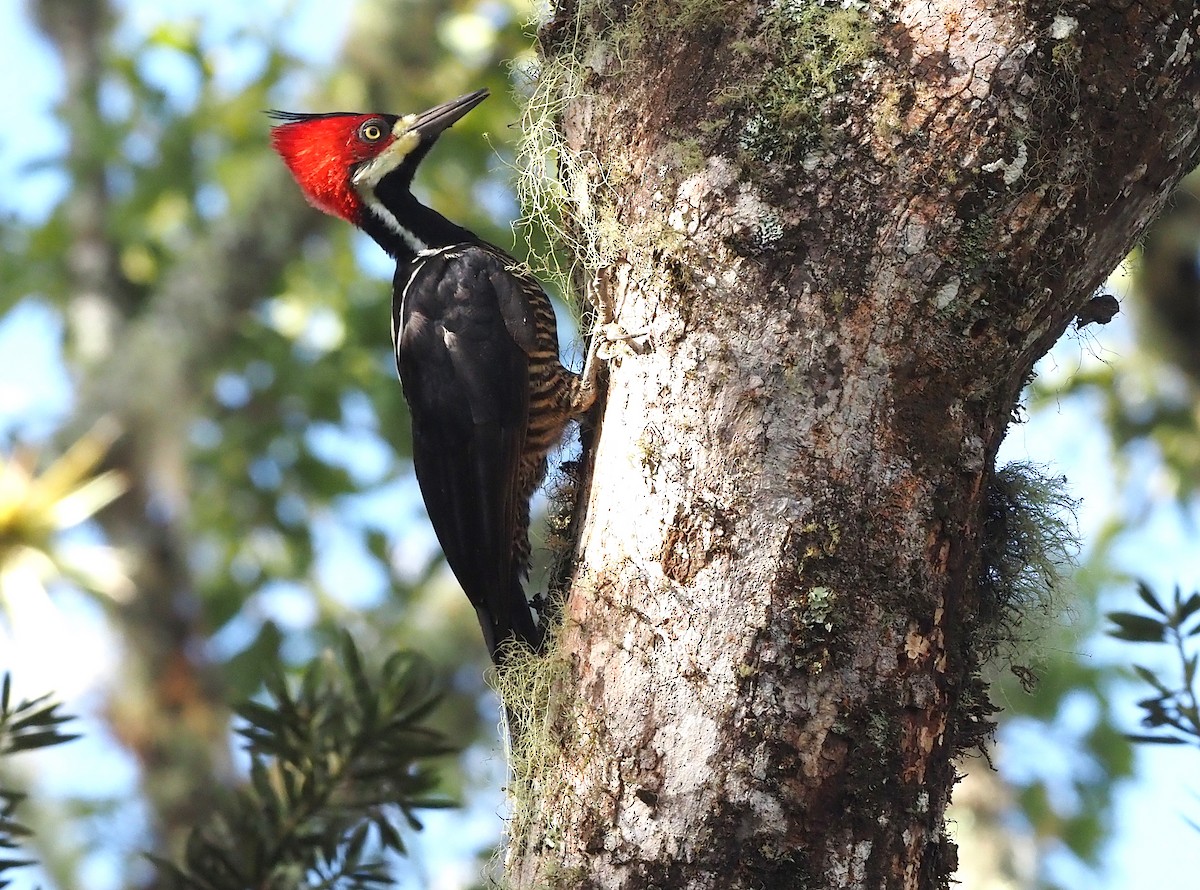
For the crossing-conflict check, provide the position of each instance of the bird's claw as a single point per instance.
(613, 341)
(609, 341)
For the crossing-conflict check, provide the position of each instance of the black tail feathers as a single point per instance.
(513, 628)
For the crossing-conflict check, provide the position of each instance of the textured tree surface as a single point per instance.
(846, 236)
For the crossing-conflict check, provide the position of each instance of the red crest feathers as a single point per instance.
(320, 150)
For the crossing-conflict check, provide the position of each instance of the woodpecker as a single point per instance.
(476, 348)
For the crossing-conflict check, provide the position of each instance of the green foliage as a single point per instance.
(1144, 397)
(1048, 691)
(29, 723)
(10, 831)
(24, 726)
(1145, 405)
(334, 763)
(1167, 281)
(1173, 712)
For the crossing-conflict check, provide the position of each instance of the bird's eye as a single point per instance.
(371, 131)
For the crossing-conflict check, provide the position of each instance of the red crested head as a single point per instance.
(323, 151)
(360, 166)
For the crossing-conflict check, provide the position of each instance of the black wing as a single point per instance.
(462, 340)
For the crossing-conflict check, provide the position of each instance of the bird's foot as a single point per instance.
(612, 341)
(609, 341)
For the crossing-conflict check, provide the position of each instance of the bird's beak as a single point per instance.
(414, 135)
(430, 124)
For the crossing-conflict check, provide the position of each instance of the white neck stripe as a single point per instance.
(398, 317)
(389, 219)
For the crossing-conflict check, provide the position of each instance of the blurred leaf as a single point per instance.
(1176, 706)
(1150, 677)
(1187, 608)
(1150, 599)
(1136, 628)
(24, 726)
(1157, 739)
(244, 671)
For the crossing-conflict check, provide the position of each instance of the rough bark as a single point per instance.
(772, 641)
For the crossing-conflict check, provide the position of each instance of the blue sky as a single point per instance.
(1154, 847)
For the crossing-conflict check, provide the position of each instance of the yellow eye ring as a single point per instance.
(371, 131)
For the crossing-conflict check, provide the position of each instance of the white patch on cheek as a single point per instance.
(369, 175)
(389, 159)
(404, 143)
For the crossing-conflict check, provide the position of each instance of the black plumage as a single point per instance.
(467, 348)
(476, 348)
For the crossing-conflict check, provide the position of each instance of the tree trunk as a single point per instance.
(846, 236)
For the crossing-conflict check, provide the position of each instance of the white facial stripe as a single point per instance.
(389, 159)
(389, 219)
(370, 174)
